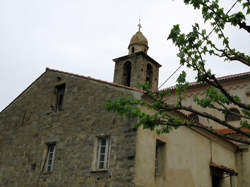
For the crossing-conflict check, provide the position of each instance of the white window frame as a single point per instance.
(101, 152)
(50, 156)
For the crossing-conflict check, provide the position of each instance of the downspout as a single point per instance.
(231, 184)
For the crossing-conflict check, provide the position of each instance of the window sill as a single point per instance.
(99, 170)
(45, 175)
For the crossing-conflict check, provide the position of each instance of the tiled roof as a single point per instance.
(224, 169)
(80, 76)
(97, 80)
(221, 79)
(230, 131)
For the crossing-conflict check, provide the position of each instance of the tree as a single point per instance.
(193, 48)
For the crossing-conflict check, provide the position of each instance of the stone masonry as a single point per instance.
(31, 121)
(139, 62)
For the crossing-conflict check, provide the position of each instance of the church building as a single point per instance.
(57, 133)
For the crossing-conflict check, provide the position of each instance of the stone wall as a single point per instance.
(31, 121)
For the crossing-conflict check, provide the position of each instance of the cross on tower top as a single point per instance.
(139, 25)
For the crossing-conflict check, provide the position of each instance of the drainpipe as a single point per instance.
(231, 184)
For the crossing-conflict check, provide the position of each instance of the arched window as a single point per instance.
(233, 116)
(149, 74)
(126, 73)
(194, 117)
(133, 49)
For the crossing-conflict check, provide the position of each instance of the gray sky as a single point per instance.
(83, 36)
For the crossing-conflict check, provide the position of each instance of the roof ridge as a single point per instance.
(222, 78)
(97, 80)
(80, 76)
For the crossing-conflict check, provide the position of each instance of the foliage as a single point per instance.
(193, 48)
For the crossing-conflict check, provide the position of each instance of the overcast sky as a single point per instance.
(83, 36)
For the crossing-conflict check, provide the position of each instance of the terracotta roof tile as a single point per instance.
(224, 168)
(230, 131)
(97, 80)
(221, 79)
(80, 76)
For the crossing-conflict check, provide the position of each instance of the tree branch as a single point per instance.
(216, 84)
(203, 114)
(184, 124)
(222, 122)
(242, 24)
(224, 53)
(236, 57)
(226, 110)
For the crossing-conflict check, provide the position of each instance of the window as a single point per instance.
(126, 74)
(233, 116)
(219, 173)
(159, 157)
(194, 117)
(217, 176)
(149, 74)
(59, 96)
(102, 152)
(133, 49)
(49, 161)
(248, 93)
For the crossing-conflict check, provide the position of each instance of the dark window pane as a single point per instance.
(133, 49)
(232, 116)
(194, 117)
(102, 157)
(101, 165)
(127, 74)
(103, 142)
(149, 74)
(59, 96)
(103, 150)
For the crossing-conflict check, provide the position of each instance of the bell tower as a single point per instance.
(137, 66)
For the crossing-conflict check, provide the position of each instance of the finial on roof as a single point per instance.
(139, 25)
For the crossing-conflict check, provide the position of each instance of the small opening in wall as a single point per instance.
(149, 73)
(194, 117)
(133, 50)
(59, 96)
(217, 176)
(127, 73)
(59, 79)
(159, 157)
(33, 166)
(233, 115)
(248, 94)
